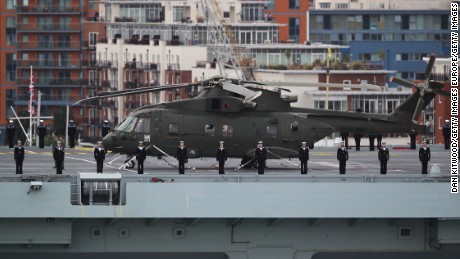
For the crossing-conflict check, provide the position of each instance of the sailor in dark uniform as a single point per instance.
(384, 157)
(19, 157)
(41, 134)
(72, 131)
(344, 136)
(58, 155)
(140, 157)
(424, 155)
(446, 134)
(10, 131)
(181, 155)
(221, 157)
(358, 137)
(261, 157)
(304, 156)
(105, 128)
(342, 156)
(99, 155)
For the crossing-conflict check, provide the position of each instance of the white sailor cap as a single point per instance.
(221, 142)
(260, 142)
(304, 143)
(11, 121)
(71, 121)
(99, 142)
(424, 142)
(181, 141)
(106, 121)
(19, 142)
(58, 142)
(141, 142)
(41, 120)
(446, 120)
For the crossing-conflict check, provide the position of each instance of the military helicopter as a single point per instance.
(242, 113)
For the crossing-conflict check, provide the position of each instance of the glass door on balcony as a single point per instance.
(64, 59)
(44, 59)
(45, 23)
(261, 36)
(45, 41)
(64, 41)
(64, 23)
(245, 37)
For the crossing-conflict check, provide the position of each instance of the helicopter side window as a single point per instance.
(143, 125)
(209, 130)
(272, 132)
(295, 126)
(173, 129)
(227, 131)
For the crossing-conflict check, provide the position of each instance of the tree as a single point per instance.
(381, 54)
(288, 56)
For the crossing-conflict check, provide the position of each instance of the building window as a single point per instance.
(10, 67)
(178, 13)
(294, 4)
(227, 131)
(10, 4)
(252, 12)
(341, 6)
(173, 129)
(93, 38)
(10, 31)
(325, 5)
(209, 131)
(294, 29)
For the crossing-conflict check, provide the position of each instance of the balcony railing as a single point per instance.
(141, 65)
(63, 27)
(440, 77)
(51, 82)
(72, 64)
(54, 9)
(98, 63)
(133, 85)
(51, 45)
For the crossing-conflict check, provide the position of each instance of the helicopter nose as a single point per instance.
(109, 141)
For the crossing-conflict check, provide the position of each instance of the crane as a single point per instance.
(226, 52)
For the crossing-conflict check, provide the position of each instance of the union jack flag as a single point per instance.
(31, 102)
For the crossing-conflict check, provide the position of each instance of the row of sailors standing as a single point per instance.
(260, 156)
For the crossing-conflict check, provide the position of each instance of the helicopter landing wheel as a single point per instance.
(131, 164)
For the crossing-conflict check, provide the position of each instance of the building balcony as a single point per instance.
(46, 100)
(141, 66)
(98, 64)
(47, 64)
(50, 82)
(132, 105)
(49, 9)
(440, 77)
(134, 85)
(50, 27)
(50, 45)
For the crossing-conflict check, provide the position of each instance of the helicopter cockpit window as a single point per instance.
(227, 131)
(128, 124)
(295, 126)
(173, 129)
(209, 130)
(272, 132)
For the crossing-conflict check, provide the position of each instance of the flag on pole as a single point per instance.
(329, 53)
(31, 102)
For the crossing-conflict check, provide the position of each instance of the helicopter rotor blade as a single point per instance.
(142, 90)
(429, 67)
(442, 92)
(238, 89)
(403, 82)
(312, 84)
(418, 109)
